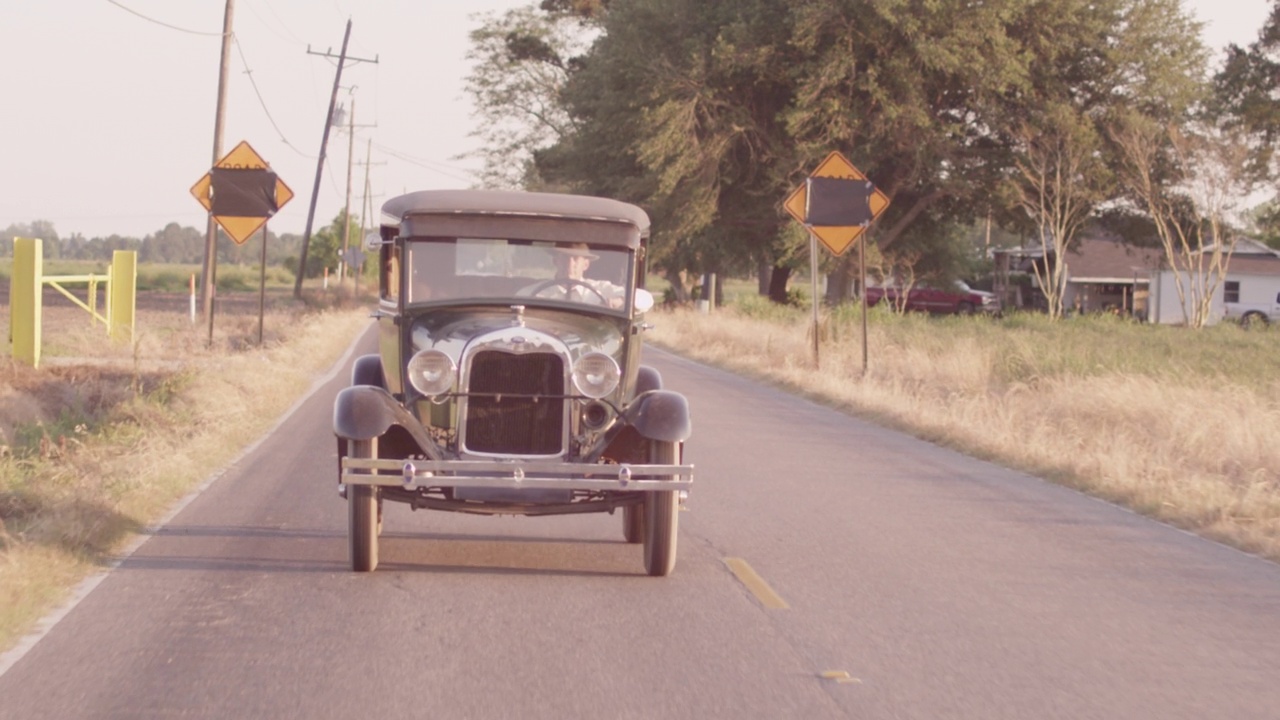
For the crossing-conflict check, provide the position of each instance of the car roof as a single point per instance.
(512, 202)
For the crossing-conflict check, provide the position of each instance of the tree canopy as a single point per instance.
(1246, 88)
(707, 114)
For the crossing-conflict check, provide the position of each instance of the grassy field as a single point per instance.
(1177, 424)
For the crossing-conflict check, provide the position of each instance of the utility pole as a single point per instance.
(324, 143)
(346, 209)
(351, 160)
(364, 197)
(366, 207)
(208, 276)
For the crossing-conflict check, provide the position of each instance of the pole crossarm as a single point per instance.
(344, 58)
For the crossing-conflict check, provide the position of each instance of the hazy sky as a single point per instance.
(108, 116)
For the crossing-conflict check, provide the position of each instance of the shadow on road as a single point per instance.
(302, 550)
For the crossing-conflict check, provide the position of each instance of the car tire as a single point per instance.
(363, 515)
(965, 308)
(661, 516)
(1253, 319)
(633, 523)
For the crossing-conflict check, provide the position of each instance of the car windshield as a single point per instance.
(448, 269)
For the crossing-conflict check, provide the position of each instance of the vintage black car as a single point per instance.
(508, 378)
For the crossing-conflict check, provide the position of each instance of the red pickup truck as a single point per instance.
(960, 299)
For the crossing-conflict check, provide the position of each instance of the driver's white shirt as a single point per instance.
(607, 290)
(576, 293)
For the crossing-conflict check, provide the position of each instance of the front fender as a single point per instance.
(363, 412)
(660, 415)
(367, 370)
(648, 378)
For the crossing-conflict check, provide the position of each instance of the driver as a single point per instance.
(571, 263)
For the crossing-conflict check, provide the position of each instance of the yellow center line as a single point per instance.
(756, 584)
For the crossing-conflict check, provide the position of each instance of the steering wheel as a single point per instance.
(566, 283)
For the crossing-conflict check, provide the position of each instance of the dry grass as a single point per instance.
(1176, 424)
(104, 438)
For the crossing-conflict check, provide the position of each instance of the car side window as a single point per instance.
(432, 268)
(390, 271)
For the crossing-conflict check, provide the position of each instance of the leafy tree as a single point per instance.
(326, 245)
(1186, 183)
(688, 128)
(1263, 222)
(1245, 90)
(938, 103)
(173, 244)
(41, 229)
(1060, 178)
(522, 61)
(711, 127)
(928, 95)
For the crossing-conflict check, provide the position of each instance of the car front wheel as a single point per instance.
(363, 515)
(661, 516)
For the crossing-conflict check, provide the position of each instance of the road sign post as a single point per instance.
(262, 284)
(836, 204)
(241, 192)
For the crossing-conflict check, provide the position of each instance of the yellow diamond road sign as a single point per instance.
(240, 227)
(836, 238)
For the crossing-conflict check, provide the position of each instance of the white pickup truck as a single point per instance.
(1253, 313)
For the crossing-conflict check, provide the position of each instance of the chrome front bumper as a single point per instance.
(411, 474)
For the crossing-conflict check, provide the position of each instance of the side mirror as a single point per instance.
(372, 241)
(643, 301)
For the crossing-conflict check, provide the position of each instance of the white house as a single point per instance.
(1253, 275)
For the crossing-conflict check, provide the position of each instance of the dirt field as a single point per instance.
(83, 372)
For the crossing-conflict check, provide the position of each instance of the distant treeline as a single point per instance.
(177, 244)
(171, 244)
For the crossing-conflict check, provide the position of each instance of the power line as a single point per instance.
(164, 24)
(249, 71)
(282, 23)
(428, 164)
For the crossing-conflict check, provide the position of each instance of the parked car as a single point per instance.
(959, 299)
(1250, 314)
(508, 378)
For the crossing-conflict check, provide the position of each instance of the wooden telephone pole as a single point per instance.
(208, 275)
(324, 143)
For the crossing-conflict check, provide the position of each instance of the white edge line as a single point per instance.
(87, 585)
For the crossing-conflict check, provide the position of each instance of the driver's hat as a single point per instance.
(577, 250)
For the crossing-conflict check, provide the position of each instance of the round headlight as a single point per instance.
(596, 375)
(431, 372)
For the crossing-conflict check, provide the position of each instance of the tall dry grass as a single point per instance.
(104, 438)
(1176, 424)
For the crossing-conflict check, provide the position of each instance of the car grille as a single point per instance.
(515, 403)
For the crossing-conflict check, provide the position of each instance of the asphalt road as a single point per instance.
(892, 579)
